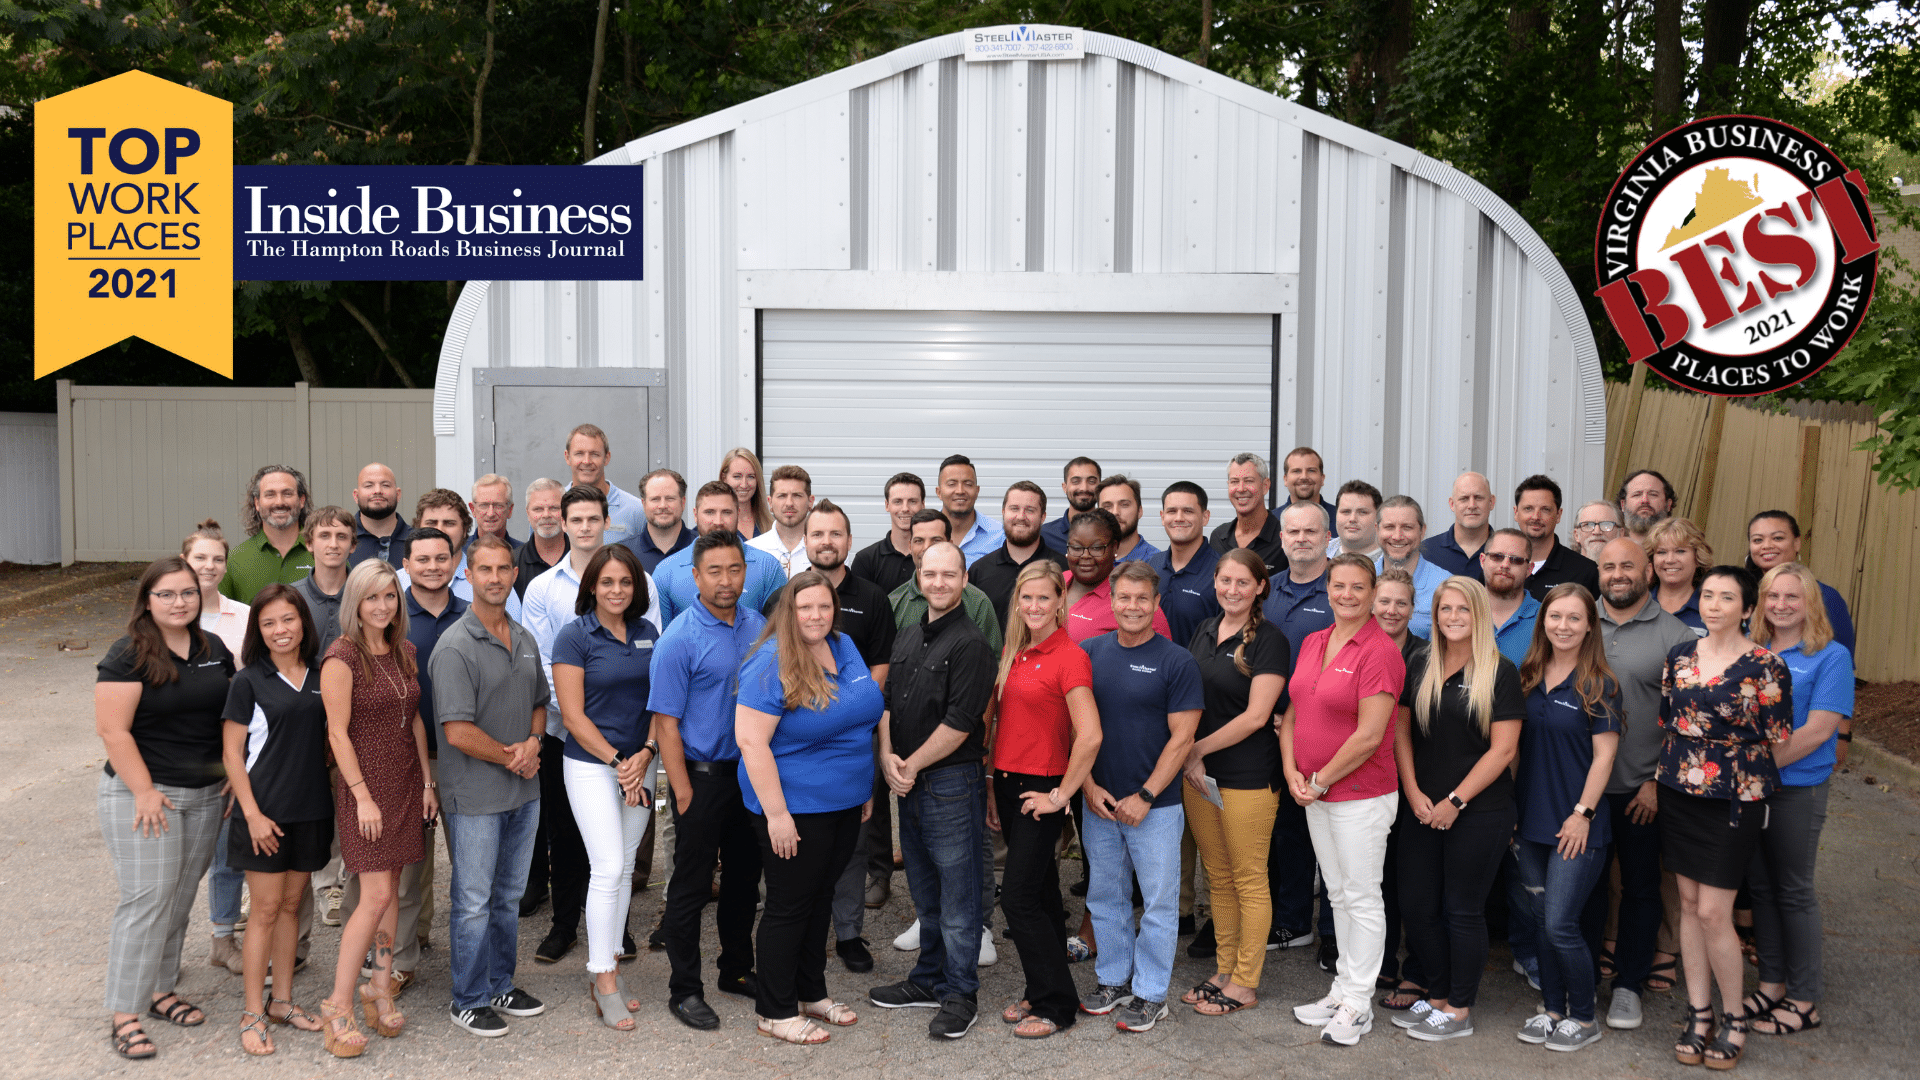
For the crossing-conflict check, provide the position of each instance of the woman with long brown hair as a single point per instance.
(370, 683)
(1567, 746)
(805, 721)
(157, 703)
(282, 830)
(740, 470)
(1244, 666)
(1043, 733)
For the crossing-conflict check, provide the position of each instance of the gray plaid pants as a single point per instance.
(159, 877)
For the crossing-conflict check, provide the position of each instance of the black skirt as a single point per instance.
(305, 847)
(1709, 840)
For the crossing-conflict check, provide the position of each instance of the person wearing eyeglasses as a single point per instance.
(1504, 565)
(1594, 524)
(1092, 547)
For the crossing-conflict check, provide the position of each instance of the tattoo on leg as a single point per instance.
(382, 948)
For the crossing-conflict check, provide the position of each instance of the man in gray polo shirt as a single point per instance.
(1638, 634)
(490, 699)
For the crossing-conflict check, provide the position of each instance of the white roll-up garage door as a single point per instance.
(856, 396)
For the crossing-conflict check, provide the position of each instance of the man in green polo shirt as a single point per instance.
(276, 510)
(910, 605)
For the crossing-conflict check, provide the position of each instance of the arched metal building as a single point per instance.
(1126, 256)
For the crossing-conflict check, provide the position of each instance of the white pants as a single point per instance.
(1350, 840)
(610, 830)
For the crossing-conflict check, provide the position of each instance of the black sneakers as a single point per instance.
(482, 1021)
(854, 953)
(955, 1018)
(556, 945)
(517, 1002)
(905, 994)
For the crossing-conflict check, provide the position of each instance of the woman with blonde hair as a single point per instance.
(1244, 662)
(205, 549)
(1680, 556)
(370, 683)
(740, 470)
(1792, 621)
(1466, 706)
(805, 722)
(1043, 733)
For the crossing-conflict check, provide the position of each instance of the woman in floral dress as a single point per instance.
(1726, 707)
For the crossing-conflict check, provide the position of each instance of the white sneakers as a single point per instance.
(909, 941)
(1317, 1013)
(1346, 1026)
(989, 955)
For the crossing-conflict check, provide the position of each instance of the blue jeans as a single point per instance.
(943, 828)
(491, 853)
(1557, 889)
(1116, 854)
(223, 884)
(1523, 931)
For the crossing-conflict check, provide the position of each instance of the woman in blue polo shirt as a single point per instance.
(807, 711)
(1567, 746)
(600, 680)
(1792, 621)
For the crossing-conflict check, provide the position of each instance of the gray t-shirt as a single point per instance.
(477, 680)
(1637, 652)
(324, 608)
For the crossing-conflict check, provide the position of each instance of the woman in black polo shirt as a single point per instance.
(1244, 665)
(276, 758)
(157, 709)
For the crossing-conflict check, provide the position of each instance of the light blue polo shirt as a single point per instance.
(1823, 680)
(1516, 634)
(696, 677)
(983, 539)
(1427, 576)
(626, 516)
(678, 593)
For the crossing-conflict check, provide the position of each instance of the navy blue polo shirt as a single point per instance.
(1556, 753)
(695, 677)
(424, 630)
(615, 678)
(392, 547)
(1298, 609)
(1135, 689)
(1444, 551)
(1186, 594)
(1054, 533)
(649, 553)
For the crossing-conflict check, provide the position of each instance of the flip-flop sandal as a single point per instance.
(1772, 1019)
(1200, 991)
(1029, 1033)
(1016, 1012)
(1418, 994)
(1223, 1003)
(176, 1013)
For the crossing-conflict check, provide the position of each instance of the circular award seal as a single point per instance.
(1736, 255)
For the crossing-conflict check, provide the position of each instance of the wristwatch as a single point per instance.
(1458, 802)
(1584, 811)
(616, 760)
(1314, 783)
(1147, 796)
(653, 748)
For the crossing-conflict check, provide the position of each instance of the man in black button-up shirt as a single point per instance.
(932, 743)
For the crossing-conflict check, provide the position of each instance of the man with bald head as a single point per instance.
(380, 533)
(1638, 634)
(1456, 550)
(932, 750)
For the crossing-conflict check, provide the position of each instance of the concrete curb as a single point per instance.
(61, 590)
(1885, 765)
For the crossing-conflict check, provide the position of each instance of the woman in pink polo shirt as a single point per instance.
(1336, 746)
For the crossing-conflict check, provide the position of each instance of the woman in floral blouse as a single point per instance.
(1726, 707)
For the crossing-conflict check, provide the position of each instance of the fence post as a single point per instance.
(303, 430)
(1806, 503)
(1709, 463)
(63, 399)
(1629, 420)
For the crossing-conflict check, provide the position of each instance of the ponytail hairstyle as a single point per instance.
(1482, 668)
(152, 659)
(1016, 639)
(206, 530)
(1255, 565)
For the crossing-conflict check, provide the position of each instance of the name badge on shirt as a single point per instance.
(643, 644)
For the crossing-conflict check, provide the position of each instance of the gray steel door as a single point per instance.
(526, 414)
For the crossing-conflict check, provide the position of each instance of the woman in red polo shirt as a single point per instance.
(1043, 734)
(1336, 746)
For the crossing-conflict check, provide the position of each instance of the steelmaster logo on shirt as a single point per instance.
(1143, 669)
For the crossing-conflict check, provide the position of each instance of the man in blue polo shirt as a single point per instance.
(714, 507)
(587, 454)
(1186, 567)
(1402, 524)
(1120, 496)
(1455, 549)
(663, 495)
(695, 680)
(1504, 562)
(1080, 483)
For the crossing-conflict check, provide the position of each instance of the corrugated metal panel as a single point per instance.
(856, 396)
(30, 488)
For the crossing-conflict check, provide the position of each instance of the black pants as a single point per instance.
(716, 824)
(792, 950)
(879, 827)
(559, 855)
(1030, 897)
(1637, 849)
(1391, 966)
(1444, 881)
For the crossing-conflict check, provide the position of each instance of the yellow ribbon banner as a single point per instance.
(133, 222)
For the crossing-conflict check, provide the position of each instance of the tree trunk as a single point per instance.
(1396, 41)
(406, 380)
(1206, 31)
(1669, 65)
(1723, 43)
(626, 85)
(1310, 86)
(593, 80)
(302, 356)
(480, 88)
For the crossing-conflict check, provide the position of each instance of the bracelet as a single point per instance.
(1053, 797)
(432, 784)
(1844, 736)
(1314, 783)
(357, 783)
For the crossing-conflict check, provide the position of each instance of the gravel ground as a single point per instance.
(57, 888)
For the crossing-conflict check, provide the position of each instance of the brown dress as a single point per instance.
(381, 731)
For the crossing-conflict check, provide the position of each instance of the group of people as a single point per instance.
(1626, 733)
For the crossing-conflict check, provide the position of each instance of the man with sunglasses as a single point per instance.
(1504, 563)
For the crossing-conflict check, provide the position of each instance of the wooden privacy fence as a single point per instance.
(1734, 460)
(139, 465)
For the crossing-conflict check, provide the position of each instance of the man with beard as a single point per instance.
(1356, 520)
(379, 531)
(1536, 509)
(909, 604)
(888, 561)
(548, 540)
(1638, 634)
(1595, 525)
(444, 510)
(959, 488)
(663, 495)
(273, 513)
(1645, 499)
(1504, 563)
(1186, 567)
(492, 506)
(1304, 474)
(1454, 549)
(791, 496)
(868, 622)
(1022, 510)
(1080, 483)
(1253, 527)
(1120, 496)
(1402, 524)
